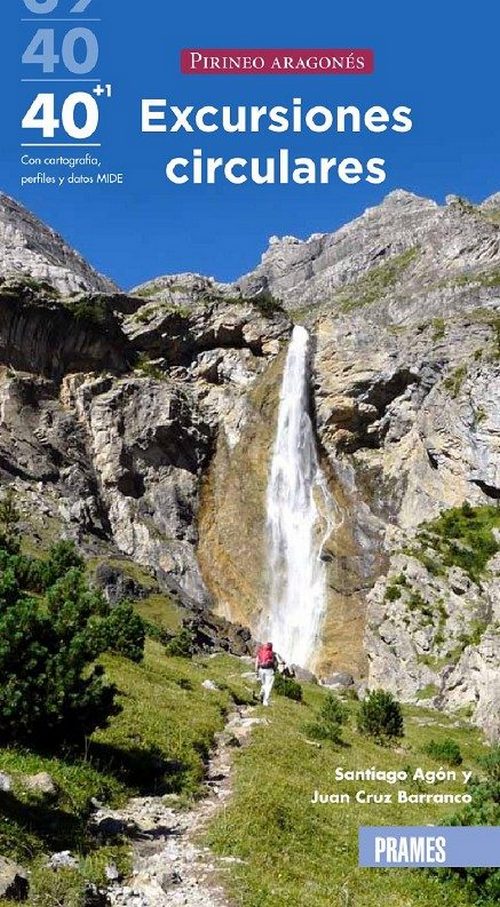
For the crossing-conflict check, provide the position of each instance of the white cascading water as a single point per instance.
(298, 503)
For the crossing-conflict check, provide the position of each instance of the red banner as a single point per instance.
(238, 62)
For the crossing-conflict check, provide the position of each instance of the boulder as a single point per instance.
(62, 860)
(303, 675)
(14, 885)
(112, 872)
(210, 685)
(95, 897)
(212, 633)
(117, 585)
(5, 782)
(339, 680)
(41, 783)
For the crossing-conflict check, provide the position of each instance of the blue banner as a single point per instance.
(428, 845)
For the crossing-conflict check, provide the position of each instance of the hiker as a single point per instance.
(266, 663)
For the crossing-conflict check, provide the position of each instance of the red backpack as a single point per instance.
(265, 656)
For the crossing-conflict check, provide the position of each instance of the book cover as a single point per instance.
(249, 456)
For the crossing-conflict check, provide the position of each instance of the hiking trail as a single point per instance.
(170, 866)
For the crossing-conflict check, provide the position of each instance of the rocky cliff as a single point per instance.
(142, 425)
(30, 248)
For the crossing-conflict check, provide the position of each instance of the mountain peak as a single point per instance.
(405, 197)
(30, 247)
(493, 201)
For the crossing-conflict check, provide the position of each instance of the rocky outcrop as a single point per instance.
(436, 638)
(40, 334)
(28, 247)
(421, 247)
(111, 409)
(14, 884)
(148, 445)
(211, 633)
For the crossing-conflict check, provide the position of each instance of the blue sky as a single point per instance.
(441, 64)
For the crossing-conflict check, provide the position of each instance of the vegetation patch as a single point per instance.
(95, 311)
(453, 383)
(438, 328)
(380, 716)
(182, 644)
(265, 302)
(481, 278)
(446, 750)
(287, 686)
(428, 692)
(474, 634)
(461, 537)
(328, 723)
(292, 850)
(153, 289)
(492, 215)
(149, 368)
(376, 283)
(161, 307)
(395, 586)
(16, 287)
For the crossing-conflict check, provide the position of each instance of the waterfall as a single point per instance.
(297, 528)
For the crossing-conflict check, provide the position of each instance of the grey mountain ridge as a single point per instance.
(29, 247)
(147, 436)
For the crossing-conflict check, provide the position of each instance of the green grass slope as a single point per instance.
(157, 744)
(300, 854)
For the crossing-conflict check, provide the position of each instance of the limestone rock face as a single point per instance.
(404, 307)
(29, 247)
(407, 396)
(39, 333)
(148, 445)
(111, 407)
(432, 242)
(142, 425)
(438, 642)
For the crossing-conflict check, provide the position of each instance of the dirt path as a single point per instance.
(170, 867)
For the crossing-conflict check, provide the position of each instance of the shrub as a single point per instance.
(331, 717)
(266, 303)
(380, 716)
(446, 750)
(10, 539)
(482, 884)
(181, 645)
(38, 575)
(453, 383)
(463, 537)
(62, 557)
(287, 686)
(94, 311)
(125, 632)
(25, 569)
(50, 690)
(392, 593)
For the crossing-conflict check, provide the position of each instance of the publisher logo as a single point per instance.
(234, 62)
(424, 845)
